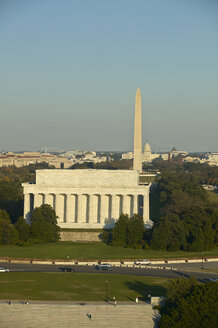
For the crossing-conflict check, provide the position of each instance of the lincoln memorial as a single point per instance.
(89, 199)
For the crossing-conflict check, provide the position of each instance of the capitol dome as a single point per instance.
(147, 148)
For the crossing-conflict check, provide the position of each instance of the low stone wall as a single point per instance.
(80, 236)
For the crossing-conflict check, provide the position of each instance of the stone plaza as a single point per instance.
(74, 315)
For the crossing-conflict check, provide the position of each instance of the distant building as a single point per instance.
(174, 153)
(147, 155)
(128, 155)
(62, 161)
(213, 159)
(28, 158)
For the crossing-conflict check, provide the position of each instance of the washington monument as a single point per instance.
(137, 162)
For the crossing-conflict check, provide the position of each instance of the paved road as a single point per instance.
(15, 267)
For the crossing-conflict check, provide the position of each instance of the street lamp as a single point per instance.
(149, 298)
(106, 286)
(202, 263)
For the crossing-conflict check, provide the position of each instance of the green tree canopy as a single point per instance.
(4, 215)
(23, 229)
(169, 234)
(190, 304)
(8, 233)
(135, 231)
(44, 224)
(120, 231)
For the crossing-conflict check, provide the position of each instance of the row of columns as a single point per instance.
(93, 208)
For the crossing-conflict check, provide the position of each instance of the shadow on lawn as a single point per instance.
(143, 290)
(91, 292)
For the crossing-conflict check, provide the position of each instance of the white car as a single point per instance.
(4, 270)
(106, 264)
(142, 262)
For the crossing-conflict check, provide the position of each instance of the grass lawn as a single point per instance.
(78, 286)
(213, 196)
(91, 251)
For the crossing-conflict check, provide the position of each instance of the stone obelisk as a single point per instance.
(137, 162)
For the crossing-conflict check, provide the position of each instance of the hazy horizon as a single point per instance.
(70, 71)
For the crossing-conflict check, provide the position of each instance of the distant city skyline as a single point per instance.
(70, 71)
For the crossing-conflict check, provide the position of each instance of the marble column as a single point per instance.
(85, 208)
(126, 204)
(38, 201)
(135, 204)
(115, 207)
(93, 208)
(131, 205)
(60, 207)
(82, 208)
(146, 207)
(104, 208)
(120, 211)
(49, 199)
(70, 210)
(27, 207)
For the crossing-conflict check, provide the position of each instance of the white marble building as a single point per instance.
(89, 199)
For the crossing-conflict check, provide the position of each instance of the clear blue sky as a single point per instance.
(69, 71)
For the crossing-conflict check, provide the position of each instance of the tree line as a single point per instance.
(185, 219)
(43, 228)
(11, 193)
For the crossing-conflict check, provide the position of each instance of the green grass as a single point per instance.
(78, 286)
(213, 196)
(91, 251)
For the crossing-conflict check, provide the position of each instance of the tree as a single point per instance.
(44, 224)
(186, 221)
(4, 215)
(169, 234)
(23, 229)
(11, 198)
(135, 231)
(201, 234)
(8, 233)
(120, 231)
(190, 304)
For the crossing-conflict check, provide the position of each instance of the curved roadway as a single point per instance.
(203, 276)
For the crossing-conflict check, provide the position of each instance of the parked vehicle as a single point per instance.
(103, 267)
(4, 269)
(67, 269)
(213, 279)
(106, 264)
(142, 262)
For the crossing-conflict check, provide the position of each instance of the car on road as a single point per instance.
(106, 264)
(67, 269)
(103, 267)
(142, 262)
(213, 279)
(4, 270)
